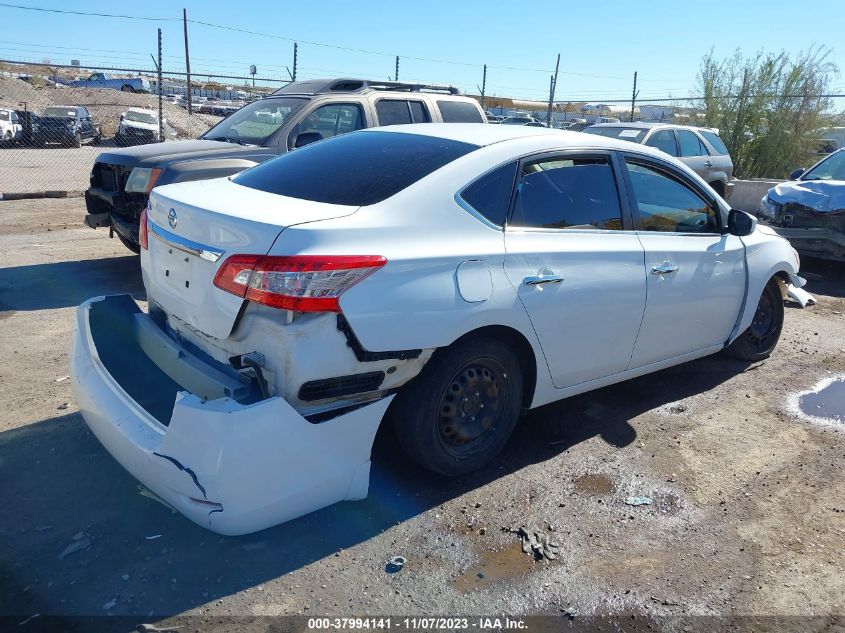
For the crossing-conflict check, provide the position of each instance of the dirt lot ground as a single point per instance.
(748, 515)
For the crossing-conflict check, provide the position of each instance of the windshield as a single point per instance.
(256, 122)
(633, 134)
(141, 117)
(58, 111)
(831, 168)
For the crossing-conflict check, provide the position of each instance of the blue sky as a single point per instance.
(601, 44)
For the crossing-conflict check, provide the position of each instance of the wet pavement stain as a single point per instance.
(495, 566)
(827, 403)
(594, 484)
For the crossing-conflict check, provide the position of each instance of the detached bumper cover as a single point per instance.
(232, 468)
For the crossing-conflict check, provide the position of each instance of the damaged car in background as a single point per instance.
(440, 279)
(809, 210)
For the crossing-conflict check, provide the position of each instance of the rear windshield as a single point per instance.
(354, 169)
(632, 134)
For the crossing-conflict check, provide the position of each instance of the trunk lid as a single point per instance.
(195, 226)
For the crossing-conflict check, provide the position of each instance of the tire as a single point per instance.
(434, 416)
(97, 139)
(132, 246)
(761, 337)
(127, 88)
(719, 187)
(77, 140)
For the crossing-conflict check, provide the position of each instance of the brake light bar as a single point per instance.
(303, 283)
(143, 235)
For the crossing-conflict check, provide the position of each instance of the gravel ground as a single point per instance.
(746, 519)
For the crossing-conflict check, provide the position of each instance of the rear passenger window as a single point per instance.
(664, 140)
(491, 194)
(399, 112)
(565, 193)
(459, 112)
(715, 141)
(690, 144)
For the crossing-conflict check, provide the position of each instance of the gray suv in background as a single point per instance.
(700, 149)
(293, 116)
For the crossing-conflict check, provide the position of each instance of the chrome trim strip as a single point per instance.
(194, 248)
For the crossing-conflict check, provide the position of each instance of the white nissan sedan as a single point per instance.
(439, 278)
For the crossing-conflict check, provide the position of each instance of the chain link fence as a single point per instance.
(51, 131)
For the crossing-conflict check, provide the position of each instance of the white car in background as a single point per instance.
(441, 276)
(10, 127)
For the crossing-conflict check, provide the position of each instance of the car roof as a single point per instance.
(145, 110)
(647, 125)
(483, 134)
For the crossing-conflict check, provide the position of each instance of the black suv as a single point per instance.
(293, 116)
(66, 125)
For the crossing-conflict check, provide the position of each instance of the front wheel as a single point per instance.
(460, 411)
(761, 337)
(127, 88)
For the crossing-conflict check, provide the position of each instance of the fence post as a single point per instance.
(160, 103)
(483, 85)
(187, 61)
(634, 97)
(552, 92)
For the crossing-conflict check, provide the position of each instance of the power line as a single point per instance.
(98, 15)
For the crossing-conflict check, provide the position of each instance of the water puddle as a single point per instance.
(594, 484)
(824, 403)
(495, 566)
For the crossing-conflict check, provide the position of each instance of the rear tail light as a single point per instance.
(303, 283)
(143, 236)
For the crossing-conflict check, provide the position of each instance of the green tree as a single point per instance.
(767, 107)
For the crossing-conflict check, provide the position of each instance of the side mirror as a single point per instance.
(795, 174)
(122, 116)
(306, 138)
(741, 223)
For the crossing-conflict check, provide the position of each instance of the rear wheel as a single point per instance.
(719, 187)
(127, 88)
(462, 408)
(761, 337)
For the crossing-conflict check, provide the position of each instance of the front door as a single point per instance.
(576, 265)
(696, 273)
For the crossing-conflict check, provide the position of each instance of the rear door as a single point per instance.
(694, 154)
(576, 264)
(696, 273)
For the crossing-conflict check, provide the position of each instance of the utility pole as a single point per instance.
(396, 74)
(187, 61)
(634, 97)
(483, 85)
(552, 89)
(293, 75)
(160, 104)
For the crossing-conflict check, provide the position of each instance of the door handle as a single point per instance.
(708, 163)
(664, 269)
(542, 279)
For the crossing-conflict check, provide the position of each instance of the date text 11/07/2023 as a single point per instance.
(419, 623)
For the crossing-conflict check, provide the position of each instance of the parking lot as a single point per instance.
(747, 498)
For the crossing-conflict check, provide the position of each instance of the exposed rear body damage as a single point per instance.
(231, 467)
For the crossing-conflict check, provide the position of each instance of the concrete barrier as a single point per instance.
(746, 194)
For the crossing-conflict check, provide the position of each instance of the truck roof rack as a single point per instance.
(323, 86)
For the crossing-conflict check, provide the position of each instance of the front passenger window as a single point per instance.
(667, 205)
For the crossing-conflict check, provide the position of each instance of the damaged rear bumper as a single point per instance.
(230, 467)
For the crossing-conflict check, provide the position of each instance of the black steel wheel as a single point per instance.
(761, 337)
(462, 408)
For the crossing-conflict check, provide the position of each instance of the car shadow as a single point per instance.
(68, 283)
(63, 490)
(823, 277)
